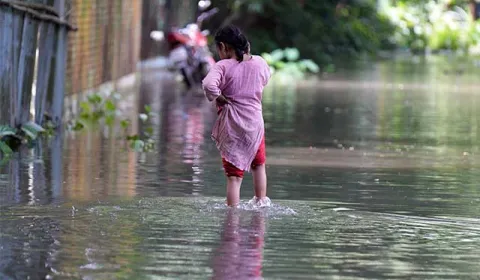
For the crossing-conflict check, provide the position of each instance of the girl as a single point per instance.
(236, 83)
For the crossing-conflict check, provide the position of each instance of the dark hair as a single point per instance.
(233, 36)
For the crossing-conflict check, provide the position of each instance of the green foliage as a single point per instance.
(5, 149)
(137, 142)
(291, 54)
(125, 124)
(433, 25)
(11, 138)
(98, 110)
(94, 111)
(141, 145)
(32, 130)
(138, 145)
(286, 62)
(5, 152)
(322, 30)
(148, 109)
(6, 131)
(319, 30)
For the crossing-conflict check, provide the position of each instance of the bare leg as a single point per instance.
(233, 190)
(260, 181)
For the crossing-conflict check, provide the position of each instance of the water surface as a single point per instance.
(373, 172)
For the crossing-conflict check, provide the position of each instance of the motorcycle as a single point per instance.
(189, 53)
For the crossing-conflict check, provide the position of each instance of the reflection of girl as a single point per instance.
(236, 83)
(240, 254)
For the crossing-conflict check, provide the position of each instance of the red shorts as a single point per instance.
(260, 158)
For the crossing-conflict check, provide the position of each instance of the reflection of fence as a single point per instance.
(24, 27)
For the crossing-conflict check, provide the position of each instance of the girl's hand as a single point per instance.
(222, 100)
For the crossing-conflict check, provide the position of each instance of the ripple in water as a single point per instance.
(273, 209)
(199, 238)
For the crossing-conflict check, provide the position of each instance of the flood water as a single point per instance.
(373, 171)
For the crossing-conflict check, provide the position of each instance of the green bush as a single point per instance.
(433, 25)
(320, 30)
(326, 29)
(287, 61)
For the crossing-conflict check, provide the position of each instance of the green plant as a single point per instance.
(319, 29)
(11, 138)
(31, 131)
(98, 110)
(5, 133)
(144, 143)
(433, 25)
(287, 61)
(6, 130)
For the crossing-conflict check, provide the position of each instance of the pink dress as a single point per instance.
(239, 128)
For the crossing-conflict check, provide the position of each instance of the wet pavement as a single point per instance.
(373, 173)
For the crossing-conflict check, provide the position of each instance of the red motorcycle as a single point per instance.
(189, 53)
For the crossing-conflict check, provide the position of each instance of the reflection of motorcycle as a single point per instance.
(189, 53)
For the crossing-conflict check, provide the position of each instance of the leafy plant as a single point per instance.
(320, 30)
(32, 130)
(6, 131)
(11, 138)
(287, 61)
(98, 110)
(5, 149)
(433, 25)
(95, 110)
(137, 142)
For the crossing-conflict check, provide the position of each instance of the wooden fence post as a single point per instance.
(26, 66)
(47, 108)
(6, 34)
(19, 32)
(2, 30)
(18, 19)
(60, 66)
(45, 52)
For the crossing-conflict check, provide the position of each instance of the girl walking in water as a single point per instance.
(236, 83)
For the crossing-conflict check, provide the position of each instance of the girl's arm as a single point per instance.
(266, 73)
(212, 82)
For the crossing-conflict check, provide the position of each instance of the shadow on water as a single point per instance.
(373, 173)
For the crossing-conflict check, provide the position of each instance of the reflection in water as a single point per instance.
(97, 168)
(394, 138)
(28, 246)
(192, 152)
(240, 253)
(181, 128)
(185, 137)
(35, 176)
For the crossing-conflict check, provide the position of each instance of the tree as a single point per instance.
(319, 29)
